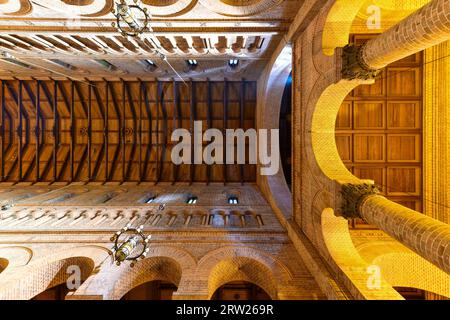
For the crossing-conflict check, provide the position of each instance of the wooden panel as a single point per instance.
(404, 115)
(374, 90)
(403, 181)
(404, 148)
(344, 145)
(369, 148)
(344, 118)
(404, 82)
(369, 115)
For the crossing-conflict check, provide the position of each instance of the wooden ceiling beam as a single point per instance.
(89, 130)
(165, 133)
(140, 131)
(193, 117)
(241, 123)
(176, 124)
(72, 129)
(52, 101)
(2, 146)
(225, 125)
(122, 130)
(209, 124)
(106, 131)
(116, 152)
(150, 131)
(81, 97)
(64, 96)
(133, 113)
(158, 93)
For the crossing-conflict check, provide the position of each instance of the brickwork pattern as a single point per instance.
(425, 28)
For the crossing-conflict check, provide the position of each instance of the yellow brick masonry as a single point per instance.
(427, 27)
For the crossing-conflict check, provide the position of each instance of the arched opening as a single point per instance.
(154, 278)
(3, 264)
(152, 290)
(240, 290)
(53, 281)
(285, 131)
(241, 274)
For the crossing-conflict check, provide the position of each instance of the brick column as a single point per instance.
(425, 28)
(426, 236)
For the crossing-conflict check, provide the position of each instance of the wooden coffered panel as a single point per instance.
(68, 131)
(379, 131)
(65, 38)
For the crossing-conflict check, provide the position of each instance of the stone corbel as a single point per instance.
(353, 195)
(353, 65)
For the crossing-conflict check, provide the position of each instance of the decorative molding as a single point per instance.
(353, 195)
(353, 65)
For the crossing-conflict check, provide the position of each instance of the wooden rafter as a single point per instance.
(241, 122)
(133, 113)
(53, 102)
(225, 125)
(117, 150)
(192, 118)
(150, 131)
(209, 124)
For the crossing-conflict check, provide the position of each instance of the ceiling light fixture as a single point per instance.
(131, 20)
(233, 63)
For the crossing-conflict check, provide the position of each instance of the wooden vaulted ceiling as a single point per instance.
(60, 38)
(69, 131)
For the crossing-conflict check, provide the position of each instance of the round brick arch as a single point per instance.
(164, 262)
(30, 281)
(16, 255)
(47, 271)
(228, 264)
(149, 269)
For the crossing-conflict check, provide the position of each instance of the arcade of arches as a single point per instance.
(359, 208)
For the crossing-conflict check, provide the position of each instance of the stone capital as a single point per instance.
(353, 65)
(353, 195)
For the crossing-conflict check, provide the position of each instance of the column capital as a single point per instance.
(353, 195)
(353, 65)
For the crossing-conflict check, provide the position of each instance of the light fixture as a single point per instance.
(192, 64)
(130, 244)
(131, 20)
(192, 200)
(233, 200)
(149, 65)
(233, 63)
(150, 200)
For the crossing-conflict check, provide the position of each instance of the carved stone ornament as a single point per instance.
(353, 65)
(353, 196)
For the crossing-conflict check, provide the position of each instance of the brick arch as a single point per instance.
(33, 279)
(149, 269)
(16, 255)
(242, 269)
(97, 254)
(339, 21)
(401, 267)
(270, 266)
